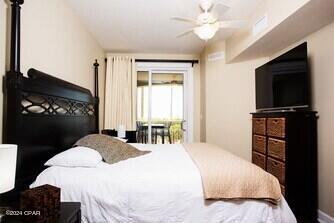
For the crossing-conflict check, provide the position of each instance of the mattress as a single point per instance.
(162, 186)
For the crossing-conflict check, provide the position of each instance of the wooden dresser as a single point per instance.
(285, 145)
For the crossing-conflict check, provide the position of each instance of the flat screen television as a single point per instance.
(283, 83)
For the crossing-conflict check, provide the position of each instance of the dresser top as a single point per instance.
(283, 112)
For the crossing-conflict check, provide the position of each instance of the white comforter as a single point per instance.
(162, 186)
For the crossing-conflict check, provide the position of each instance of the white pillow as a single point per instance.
(76, 157)
(121, 139)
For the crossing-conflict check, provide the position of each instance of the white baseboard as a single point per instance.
(324, 218)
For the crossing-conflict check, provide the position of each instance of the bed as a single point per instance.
(45, 116)
(162, 186)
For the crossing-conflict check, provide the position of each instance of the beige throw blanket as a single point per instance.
(226, 176)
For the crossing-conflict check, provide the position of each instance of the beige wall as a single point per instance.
(197, 104)
(321, 58)
(197, 83)
(230, 97)
(277, 11)
(53, 40)
(202, 81)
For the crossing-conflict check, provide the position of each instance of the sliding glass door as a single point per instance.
(161, 106)
(167, 107)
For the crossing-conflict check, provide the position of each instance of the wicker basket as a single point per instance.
(277, 169)
(276, 148)
(259, 126)
(41, 204)
(260, 143)
(259, 160)
(276, 127)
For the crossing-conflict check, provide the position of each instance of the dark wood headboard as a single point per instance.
(43, 115)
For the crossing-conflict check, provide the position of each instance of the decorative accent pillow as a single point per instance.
(76, 157)
(112, 150)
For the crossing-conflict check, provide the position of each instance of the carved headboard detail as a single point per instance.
(49, 105)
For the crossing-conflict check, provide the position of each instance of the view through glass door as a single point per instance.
(160, 107)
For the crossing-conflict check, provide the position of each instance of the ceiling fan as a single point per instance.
(206, 23)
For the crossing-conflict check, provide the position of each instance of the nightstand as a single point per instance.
(70, 212)
(131, 136)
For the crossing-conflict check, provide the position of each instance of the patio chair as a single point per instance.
(165, 132)
(141, 133)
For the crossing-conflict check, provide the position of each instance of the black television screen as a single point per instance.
(284, 82)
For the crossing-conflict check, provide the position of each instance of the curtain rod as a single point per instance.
(165, 61)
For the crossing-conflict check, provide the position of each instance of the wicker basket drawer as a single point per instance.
(277, 169)
(259, 126)
(282, 190)
(259, 143)
(276, 148)
(276, 127)
(259, 160)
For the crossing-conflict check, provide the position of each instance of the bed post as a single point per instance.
(96, 69)
(11, 96)
(96, 66)
(15, 37)
(13, 78)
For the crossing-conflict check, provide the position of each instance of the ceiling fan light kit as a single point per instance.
(207, 23)
(206, 31)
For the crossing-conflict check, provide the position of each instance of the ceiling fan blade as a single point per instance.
(185, 33)
(184, 19)
(232, 24)
(225, 3)
(219, 9)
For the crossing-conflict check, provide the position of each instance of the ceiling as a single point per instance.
(144, 26)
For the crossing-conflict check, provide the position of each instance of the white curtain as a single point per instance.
(120, 93)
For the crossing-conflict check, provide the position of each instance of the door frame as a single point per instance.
(188, 72)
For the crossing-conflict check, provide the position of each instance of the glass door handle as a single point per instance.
(182, 125)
